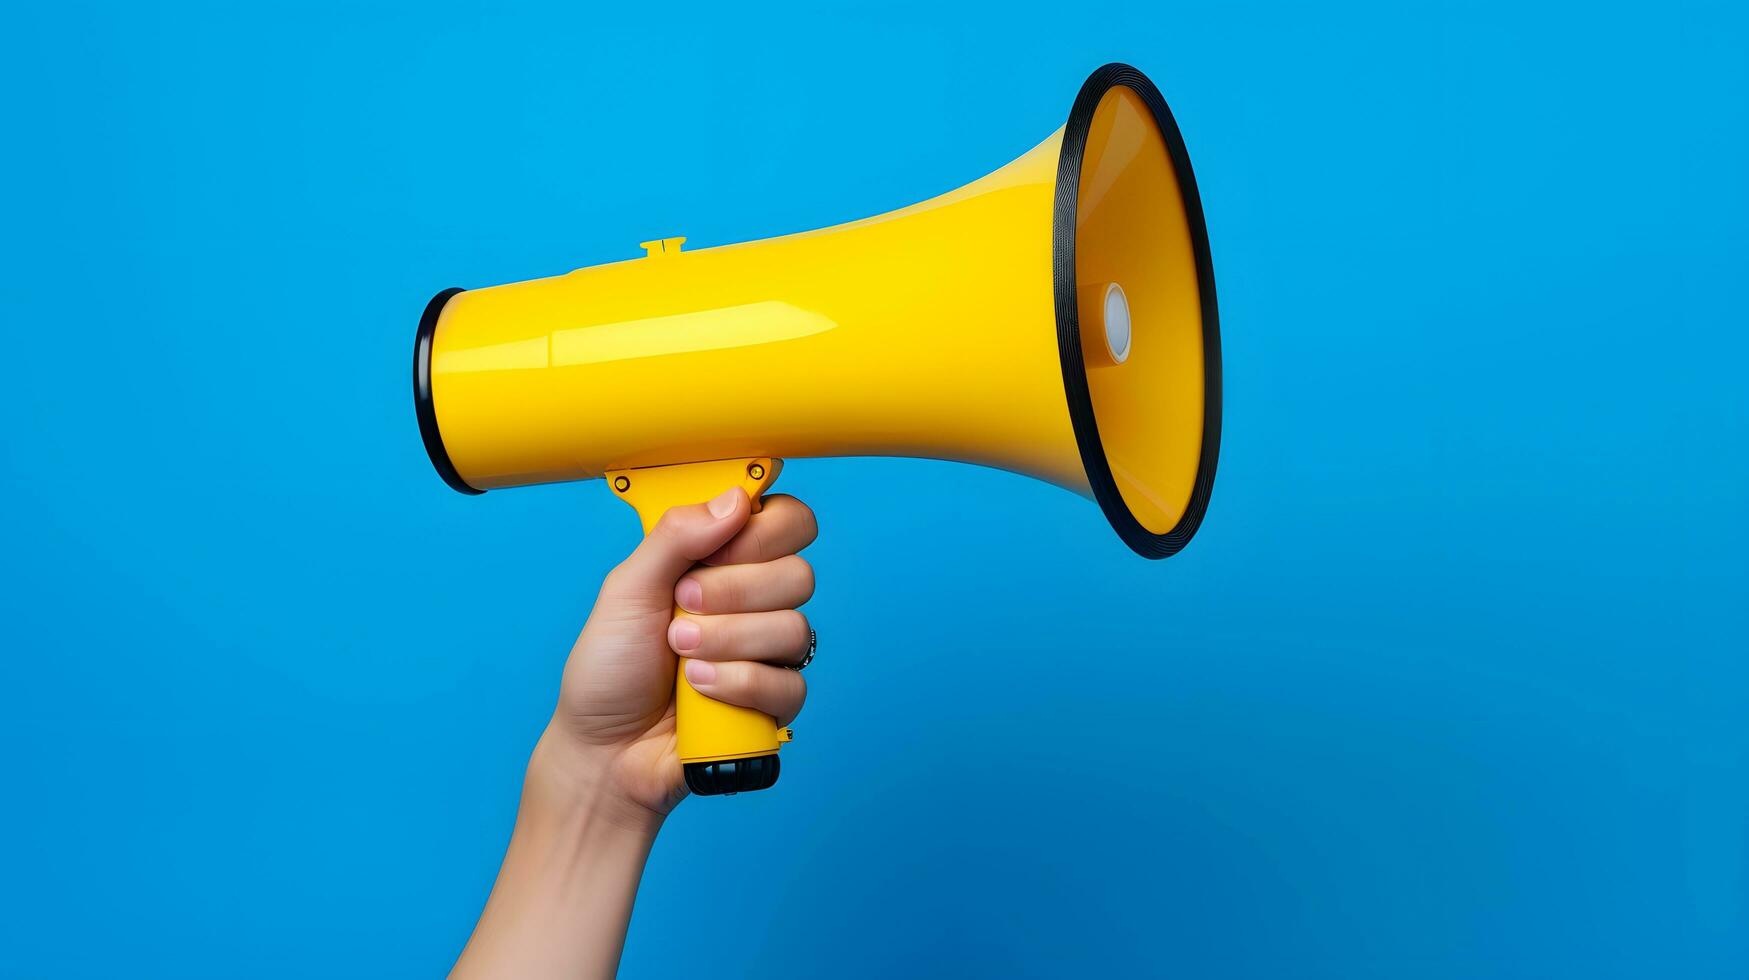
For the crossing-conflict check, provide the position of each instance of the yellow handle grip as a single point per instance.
(708, 731)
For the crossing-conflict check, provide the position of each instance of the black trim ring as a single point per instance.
(1145, 542)
(422, 405)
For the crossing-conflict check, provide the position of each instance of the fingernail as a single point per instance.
(701, 672)
(684, 635)
(724, 504)
(690, 595)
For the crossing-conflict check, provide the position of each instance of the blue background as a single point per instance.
(1452, 682)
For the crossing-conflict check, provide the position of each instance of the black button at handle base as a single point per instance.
(731, 776)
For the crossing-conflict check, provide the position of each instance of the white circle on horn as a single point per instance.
(1117, 323)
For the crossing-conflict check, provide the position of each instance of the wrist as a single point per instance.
(571, 785)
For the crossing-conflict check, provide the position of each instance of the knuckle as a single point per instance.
(781, 686)
(756, 584)
(728, 593)
(714, 639)
(797, 521)
(740, 679)
(804, 573)
(756, 542)
(793, 690)
(670, 523)
(798, 629)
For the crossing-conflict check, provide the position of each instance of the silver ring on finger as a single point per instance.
(808, 658)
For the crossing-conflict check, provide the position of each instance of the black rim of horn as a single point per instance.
(1143, 541)
(422, 405)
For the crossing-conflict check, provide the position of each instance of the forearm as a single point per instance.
(564, 895)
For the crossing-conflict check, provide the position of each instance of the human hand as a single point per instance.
(737, 578)
(606, 772)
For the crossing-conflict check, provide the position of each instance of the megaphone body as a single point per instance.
(1055, 319)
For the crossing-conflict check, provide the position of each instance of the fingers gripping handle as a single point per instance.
(725, 748)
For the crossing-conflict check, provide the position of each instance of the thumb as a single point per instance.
(684, 536)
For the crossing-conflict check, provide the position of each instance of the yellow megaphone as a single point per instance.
(1055, 318)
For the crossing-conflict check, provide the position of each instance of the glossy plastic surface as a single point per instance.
(929, 331)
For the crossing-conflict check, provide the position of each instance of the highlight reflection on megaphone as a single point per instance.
(1055, 319)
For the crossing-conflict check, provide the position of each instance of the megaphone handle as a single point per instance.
(724, 748)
